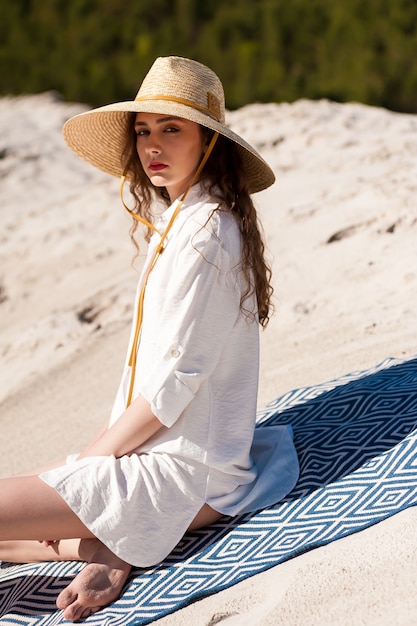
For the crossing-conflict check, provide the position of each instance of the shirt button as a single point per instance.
(175, 353)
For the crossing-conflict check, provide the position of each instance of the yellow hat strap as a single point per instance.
(157, 253)
(135, 216)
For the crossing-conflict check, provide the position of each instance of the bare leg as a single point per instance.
(30, 511)
(40, 512)
(102, 580)
(98, 584)
(204, 517)
(22, 551)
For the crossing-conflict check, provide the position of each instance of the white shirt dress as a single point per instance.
(197, 365)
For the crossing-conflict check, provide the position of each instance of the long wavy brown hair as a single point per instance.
(224, 176)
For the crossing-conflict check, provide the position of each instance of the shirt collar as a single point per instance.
(195, 193)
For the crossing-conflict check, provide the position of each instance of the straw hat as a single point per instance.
(173, 86)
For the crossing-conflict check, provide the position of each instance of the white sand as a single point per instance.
(65, 254)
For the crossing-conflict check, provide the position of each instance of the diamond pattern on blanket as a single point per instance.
(356, 438)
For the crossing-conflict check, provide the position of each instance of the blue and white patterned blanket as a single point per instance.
(356, 439)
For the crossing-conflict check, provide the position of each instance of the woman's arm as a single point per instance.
(133, 428)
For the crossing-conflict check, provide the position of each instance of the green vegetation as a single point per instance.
(98, 51)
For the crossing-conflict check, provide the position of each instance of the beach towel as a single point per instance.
(356, 441)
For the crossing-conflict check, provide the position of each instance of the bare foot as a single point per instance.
(99, 583)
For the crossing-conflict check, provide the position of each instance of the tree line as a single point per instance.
(97, 51)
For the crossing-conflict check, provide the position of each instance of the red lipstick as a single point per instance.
(156, 166)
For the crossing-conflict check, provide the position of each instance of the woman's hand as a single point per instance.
(49, 542)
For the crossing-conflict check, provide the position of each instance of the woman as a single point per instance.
(180, 448)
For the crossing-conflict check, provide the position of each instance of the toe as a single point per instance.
(96, 609)
(86, 613)
(66, 598)
(76, 611)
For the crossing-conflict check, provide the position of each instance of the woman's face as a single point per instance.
(170, 150)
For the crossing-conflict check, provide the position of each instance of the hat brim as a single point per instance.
(98, 137)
